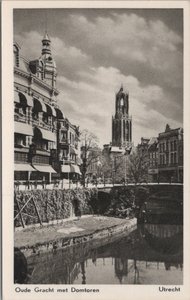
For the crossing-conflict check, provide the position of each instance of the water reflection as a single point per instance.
(151, 254)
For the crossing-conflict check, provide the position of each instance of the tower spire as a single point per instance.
(46, 42)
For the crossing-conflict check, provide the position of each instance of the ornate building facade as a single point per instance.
(38, 121)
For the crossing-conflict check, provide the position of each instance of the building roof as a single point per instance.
(153, 140)
(170, 133)
(117, 149)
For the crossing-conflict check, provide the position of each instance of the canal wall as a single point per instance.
(105, 234)
(48, 206)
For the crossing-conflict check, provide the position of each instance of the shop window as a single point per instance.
(20, 176)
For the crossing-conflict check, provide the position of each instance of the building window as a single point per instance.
(28, 141)
(175, 145)
(40, 159)
(19, 140)
(171, 145)
(175, 158)
(21, 157)
(172, 158)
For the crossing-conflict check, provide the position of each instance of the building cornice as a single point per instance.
(40, 82)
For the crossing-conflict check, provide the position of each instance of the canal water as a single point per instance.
(151, 254)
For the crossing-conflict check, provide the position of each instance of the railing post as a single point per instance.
(20, 213)
(40, 221)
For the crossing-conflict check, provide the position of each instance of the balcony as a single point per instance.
(64, 141)
(21, 118)
(43, 125)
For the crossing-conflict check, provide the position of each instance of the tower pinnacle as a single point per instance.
(46, 42)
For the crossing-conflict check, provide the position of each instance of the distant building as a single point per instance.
(148, 149)
(94, 172)
(170, 154)
(153, 159)
(68, 150)
(142, 147)
(93, 163)
(164, 155)
(37, 121)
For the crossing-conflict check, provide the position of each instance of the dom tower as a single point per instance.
(122, 122)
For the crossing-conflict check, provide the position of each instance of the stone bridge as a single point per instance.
(143, 192)
(153, 186)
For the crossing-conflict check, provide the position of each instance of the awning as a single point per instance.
(44, 168)
(59, 114)
(23, 167)
(19, 97)
(42, 105)
(51, 110)
(70, 169)
(73, 150)
(16, 97)
(23, 128)
(75, 169)
(48, 135)
(27, 98)
(66, 169)
(78, 161)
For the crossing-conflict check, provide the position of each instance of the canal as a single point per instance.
(151, 254)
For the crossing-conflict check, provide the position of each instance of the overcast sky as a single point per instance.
(98, 49)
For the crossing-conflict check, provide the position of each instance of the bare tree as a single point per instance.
(138, 173)
(89, 151)
(138, 167)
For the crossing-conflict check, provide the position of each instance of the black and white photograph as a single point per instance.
(97, 149)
